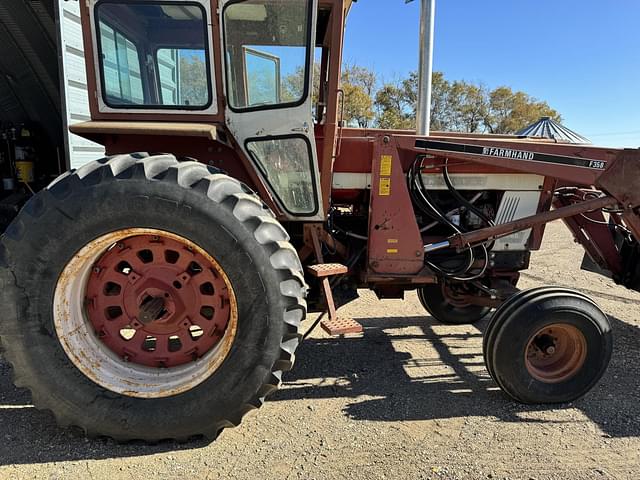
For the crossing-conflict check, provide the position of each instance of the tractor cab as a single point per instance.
(244, 66)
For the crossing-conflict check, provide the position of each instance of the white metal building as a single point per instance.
(73, 75)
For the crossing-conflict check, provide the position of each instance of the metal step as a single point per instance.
(341, 326)
(327, 269)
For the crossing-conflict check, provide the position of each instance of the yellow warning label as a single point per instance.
(392, 250)
(385, 187)
(385, 165)
(392, 240)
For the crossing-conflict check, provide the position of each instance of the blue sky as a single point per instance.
(581, 56)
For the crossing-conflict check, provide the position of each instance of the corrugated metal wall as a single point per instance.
(37, 38)
(29, 87)
(74, 75)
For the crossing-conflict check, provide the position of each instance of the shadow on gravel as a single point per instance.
(372, 367)
(368, 366)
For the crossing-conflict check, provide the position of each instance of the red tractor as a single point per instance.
(159, 295)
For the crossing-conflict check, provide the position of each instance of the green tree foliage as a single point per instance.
(467, 107)
(358, 85)
(459, 106)
(193, 80)
(396, 104)
(509, 111)
(293, 84)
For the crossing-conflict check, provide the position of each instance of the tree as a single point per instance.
(440, 91)
(193, 80)
(467, 104)
(358, 106)
(510, 111)
(393, 108)
(361, 77)
(459, 106)
(293, 84)
(396, 104)
(358, 85)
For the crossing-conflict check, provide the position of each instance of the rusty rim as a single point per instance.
(156, 301)
(145, 313)
(556, 353)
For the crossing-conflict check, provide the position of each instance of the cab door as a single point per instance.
(268, 57)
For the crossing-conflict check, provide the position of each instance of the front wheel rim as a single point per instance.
(556, 353)
(110, 287)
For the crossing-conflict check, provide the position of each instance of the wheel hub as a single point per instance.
(556, 353)
(152, 309)
(455, 295)
(155, 301)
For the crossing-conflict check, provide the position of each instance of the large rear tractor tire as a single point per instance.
(547, 345)
(442, 304)
(146, 298)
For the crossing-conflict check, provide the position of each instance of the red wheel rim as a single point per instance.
(156, 301)
(556, 353)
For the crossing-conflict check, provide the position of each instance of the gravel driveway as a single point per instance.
(410, 399)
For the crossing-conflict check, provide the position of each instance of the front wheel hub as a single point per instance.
(556, 353)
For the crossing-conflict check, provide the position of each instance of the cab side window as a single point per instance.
(153, 55)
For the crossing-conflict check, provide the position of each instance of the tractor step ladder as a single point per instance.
(334, 325)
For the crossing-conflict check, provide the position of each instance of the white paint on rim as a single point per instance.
(95, 360)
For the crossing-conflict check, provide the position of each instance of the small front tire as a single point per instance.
(548, 345)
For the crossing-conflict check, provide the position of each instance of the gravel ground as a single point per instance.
(410, 399)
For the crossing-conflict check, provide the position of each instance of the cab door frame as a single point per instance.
(278, 122)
